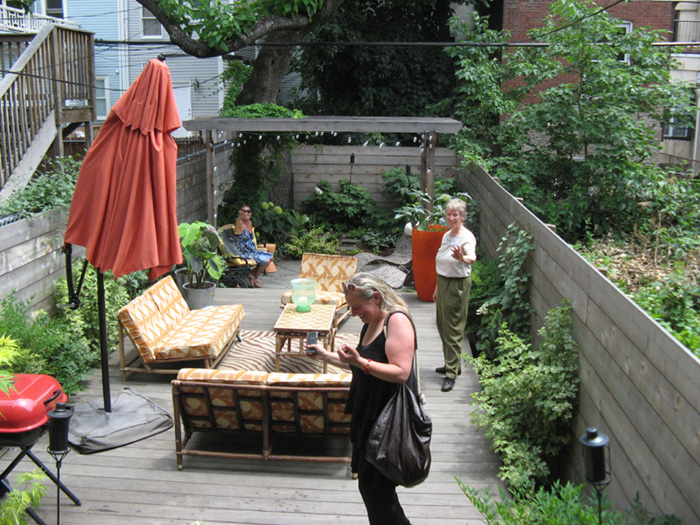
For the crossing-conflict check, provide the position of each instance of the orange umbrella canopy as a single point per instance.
(124, 209)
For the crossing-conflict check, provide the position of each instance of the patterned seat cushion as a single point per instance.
(202, 333)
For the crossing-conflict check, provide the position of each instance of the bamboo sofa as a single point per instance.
(272, 406)
(165, 330)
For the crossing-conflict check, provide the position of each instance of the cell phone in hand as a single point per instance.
(311, 339)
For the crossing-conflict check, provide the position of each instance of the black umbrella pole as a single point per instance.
(104, 351)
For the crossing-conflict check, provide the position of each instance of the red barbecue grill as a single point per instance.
(24, 417)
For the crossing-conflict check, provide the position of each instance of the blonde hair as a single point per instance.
(457, 205)
(366, 284)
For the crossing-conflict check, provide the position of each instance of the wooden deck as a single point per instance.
(140, 483)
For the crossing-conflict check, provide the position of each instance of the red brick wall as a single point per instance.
(521, 15)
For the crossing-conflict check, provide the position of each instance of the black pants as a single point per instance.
(379, 494)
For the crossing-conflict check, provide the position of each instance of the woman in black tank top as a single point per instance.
(382, 360)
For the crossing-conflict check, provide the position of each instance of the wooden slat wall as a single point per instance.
(638, 384)
(311, 164)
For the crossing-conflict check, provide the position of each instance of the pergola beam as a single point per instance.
(213, 130)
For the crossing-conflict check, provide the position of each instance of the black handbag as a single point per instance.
(399, 443)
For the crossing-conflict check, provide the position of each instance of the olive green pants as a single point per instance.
(451, 307)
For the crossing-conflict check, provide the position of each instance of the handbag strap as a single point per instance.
(416, 372)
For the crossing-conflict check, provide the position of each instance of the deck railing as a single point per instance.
(13, 19)
(49, 84)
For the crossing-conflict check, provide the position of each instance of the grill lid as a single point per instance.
(27, 404)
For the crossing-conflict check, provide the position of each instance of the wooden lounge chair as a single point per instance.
(329, 271)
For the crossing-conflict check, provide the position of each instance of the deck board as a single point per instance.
(140, 483)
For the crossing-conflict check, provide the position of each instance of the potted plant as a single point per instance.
(200, 249)
(427, 228)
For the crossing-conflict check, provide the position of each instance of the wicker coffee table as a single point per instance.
(293, 325)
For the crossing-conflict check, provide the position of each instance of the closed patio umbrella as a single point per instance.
(124, 209)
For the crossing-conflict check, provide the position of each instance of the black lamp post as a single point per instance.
(596, 468)
(59, 419)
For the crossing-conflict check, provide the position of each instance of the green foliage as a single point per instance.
(47, 345)
(675, 304)
(85, 319)
(259, 160)
(276, 225)
(486, 283)
(260, 111)
(215, 23)
(45, 191)
(377, 80)
(200, 248)
(9, 352)
(561, 504)
(528, 398)
(316, 240)
(351, 206)
(417, 213)
(511, 303)
(579, 152)
(27, 492)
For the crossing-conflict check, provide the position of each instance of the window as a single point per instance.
(54, 8)
(151, 26)
(101, 97)
(677, 132)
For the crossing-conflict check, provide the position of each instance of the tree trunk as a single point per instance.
(269, 69)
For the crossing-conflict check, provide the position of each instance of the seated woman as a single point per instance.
(246, 245)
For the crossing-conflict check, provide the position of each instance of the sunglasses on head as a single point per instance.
(349, 287)
(246, 211)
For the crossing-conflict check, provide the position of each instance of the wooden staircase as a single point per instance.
(47, 92)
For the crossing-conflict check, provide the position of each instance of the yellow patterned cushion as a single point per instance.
(145, 325)
(329, 270)
(169, 301)
(202, 333)
(282, 379)
(247, 377)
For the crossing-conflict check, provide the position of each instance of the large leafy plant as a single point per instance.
(419, 214)
(200, 248)
(528, 398)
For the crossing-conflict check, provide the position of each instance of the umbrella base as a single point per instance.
(133, 417)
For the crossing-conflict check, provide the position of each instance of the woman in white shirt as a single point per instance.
(453, 263)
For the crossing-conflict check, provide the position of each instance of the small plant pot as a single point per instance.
(199, 297)
(181, 278)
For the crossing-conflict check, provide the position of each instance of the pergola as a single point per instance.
(430, 128)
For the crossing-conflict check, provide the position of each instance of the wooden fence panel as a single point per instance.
(638, 384)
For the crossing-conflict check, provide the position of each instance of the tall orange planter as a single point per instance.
(425, 245)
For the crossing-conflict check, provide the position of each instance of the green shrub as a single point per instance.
(48, 345)
(46, 191)
(85, 319)
(351, 206)
(276, 225)
(511, 303)
(558, 505)
(528, 398)
(316, 240)
(675, 304)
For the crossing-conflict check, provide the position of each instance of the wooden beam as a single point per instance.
(328, 124)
